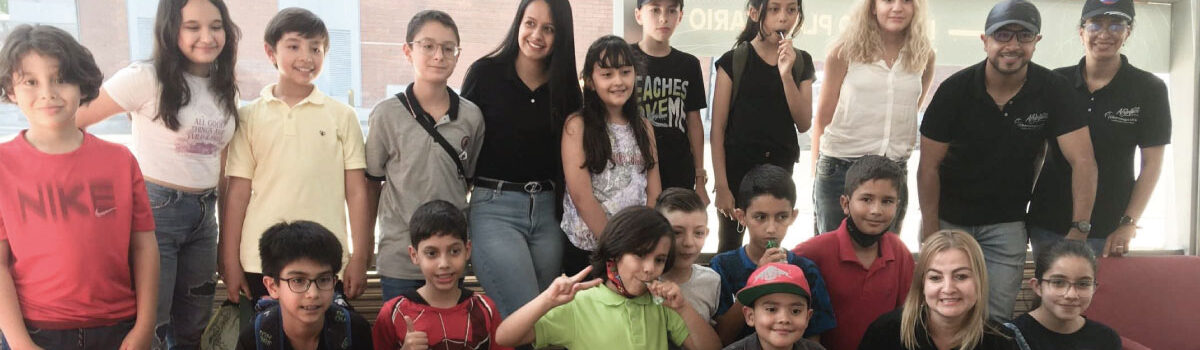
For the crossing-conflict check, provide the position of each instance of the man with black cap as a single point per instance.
(982, 140)
(1127, 110)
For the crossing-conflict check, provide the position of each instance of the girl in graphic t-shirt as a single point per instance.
(183, 105)
(607, 149)
(876, 76)
(758, 124)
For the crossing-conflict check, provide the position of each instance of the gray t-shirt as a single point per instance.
(751, 342)
(417, 170)
(702, 291)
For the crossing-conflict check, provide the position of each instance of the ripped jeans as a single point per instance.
(187, 246)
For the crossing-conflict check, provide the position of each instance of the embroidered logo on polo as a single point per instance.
(771, 273)
(1127, 115)
(1034, 121)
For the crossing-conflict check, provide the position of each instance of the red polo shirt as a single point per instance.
(859, 294)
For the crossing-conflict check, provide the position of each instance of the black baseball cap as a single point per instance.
(1119, 8)
(1014, 12)
(643, 2)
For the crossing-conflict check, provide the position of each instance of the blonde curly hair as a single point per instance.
(862, 42)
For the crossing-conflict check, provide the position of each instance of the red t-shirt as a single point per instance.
(471, 324)
(859, 295)
(68, 219)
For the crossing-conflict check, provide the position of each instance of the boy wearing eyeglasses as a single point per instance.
(422, 146)
(440, 314)
(982, 136)
(300, 261)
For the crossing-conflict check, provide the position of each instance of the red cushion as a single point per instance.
(1129, 344)
(1151, 300)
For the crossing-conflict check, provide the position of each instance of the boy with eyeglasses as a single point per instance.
(422, 146)
(982, 136)
(300, 262)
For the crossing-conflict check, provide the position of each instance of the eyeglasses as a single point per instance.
(1061, 286)
(1114, 28)
(301, 284)
(429, 48)
(1023, 36)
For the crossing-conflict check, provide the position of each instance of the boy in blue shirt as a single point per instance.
(766, 208)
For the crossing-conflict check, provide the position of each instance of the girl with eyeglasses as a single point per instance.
(1064, 281)
(1127, 112)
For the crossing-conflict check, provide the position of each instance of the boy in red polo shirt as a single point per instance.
(867, 269)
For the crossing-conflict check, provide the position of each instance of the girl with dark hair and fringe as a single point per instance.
(183, 104)
(525, 89)
(1064, 279)
(627, 307)
(763, 96)
(608, 149)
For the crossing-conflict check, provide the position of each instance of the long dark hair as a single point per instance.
(634, 230)
(170, 64)
(753, 27)
(1061, 249)
(609, 51)
(564, 89)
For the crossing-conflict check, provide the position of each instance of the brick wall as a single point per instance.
(482, 25)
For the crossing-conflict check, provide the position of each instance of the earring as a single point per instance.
(741, 228)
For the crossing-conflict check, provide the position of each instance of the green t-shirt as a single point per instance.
(599, 318)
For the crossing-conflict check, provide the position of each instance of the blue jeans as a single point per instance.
(830, 184)
(517, 244)
(186, 229)
(393, 287)
(98, 338)
(1003, 247)
(1040, 239)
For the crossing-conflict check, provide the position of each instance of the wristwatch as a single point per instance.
(1125, 220)
(1082, 226)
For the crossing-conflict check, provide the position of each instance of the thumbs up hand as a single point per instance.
(414, 339)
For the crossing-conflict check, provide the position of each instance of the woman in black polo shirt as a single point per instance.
(525, 88)
(1127, 110)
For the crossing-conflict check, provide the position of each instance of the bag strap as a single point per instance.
(1017, 335)
(427, 123)
(741, 59)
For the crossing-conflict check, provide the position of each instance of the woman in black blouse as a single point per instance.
(525, 88)
(943, 309)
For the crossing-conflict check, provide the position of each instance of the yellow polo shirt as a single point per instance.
(296, 159)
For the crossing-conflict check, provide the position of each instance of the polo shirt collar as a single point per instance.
(609, 297)
(315, 97)
(846, 246)
(1035, 78)
(1080, 81)
(416, 104)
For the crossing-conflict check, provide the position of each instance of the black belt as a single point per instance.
(528, 187)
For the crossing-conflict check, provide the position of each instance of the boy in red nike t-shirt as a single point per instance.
(78, 258)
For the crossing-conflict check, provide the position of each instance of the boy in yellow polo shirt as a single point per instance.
(296, 155)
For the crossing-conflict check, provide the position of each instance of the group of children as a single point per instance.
(630, 155)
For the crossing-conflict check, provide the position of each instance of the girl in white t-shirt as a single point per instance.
(876, 76)
(183, 105)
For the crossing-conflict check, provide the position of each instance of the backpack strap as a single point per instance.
(741, 59)
(428, 124)
(1017, 335)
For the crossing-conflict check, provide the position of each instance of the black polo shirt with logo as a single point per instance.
(987, 174)
(1132, 111)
